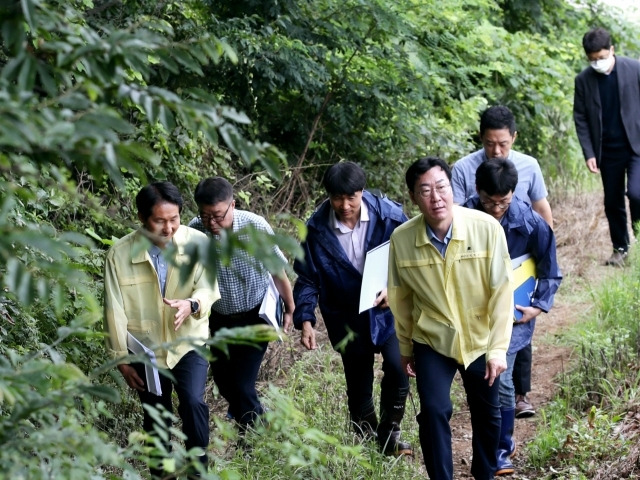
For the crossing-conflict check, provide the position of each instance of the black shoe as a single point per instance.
(618, 258)
(393, 446)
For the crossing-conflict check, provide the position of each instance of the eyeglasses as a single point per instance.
(439, 189)
(206, 218)
(500, 205)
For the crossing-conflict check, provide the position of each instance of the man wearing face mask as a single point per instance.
(605, 111)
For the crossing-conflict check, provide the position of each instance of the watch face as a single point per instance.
(194, 306)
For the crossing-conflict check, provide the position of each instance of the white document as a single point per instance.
(152, 379)
(271, 309)
(374, 276)
(516, 262)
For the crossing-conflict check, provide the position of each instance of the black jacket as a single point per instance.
(587, 110)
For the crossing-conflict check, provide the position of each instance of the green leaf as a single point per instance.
(28, 10)
(103, 392)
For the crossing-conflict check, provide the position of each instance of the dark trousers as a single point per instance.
(434, 375)
(191, 377)
(522, 371)
(613, 167)
(236, 374)
(358, 359)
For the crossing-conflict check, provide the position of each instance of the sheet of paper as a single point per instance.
(516, 262)
(271, 307)
(374, 276)
(152, 379)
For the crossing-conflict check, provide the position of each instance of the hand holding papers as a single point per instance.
(152, 379)
(524, 281)
(374, 276)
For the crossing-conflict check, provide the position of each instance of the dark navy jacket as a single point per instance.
(527, 232)
(327, 277)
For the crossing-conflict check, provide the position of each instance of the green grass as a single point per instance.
(583, 430)
(307, 434)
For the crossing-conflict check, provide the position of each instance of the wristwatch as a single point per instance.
(195, 306)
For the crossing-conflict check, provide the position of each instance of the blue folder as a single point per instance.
(522, 296)
(524, 282)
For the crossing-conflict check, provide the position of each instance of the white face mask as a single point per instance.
(603, 65)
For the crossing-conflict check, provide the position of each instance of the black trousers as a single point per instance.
(522, 371)
(358, 360)
(236, 374)
(434, 376)
(191, 377)
(613, 167)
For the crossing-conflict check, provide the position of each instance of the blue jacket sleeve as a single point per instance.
(542, 243)
(305, 290)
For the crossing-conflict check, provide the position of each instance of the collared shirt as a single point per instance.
(439, 244)
(460, 305)
(160, 264)
(530, 187)
(244, 282)
(133, 300)
(353, 240)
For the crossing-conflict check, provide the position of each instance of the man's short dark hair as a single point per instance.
(496, 176)
(154, 193)
(595, 40)
(344, 178)
(212, 191)
(419, 167)
(497, 118)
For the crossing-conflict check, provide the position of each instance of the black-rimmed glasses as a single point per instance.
(206, 218)
(500, 205)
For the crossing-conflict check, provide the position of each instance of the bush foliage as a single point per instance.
(99, 97)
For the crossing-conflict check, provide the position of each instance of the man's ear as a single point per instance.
(413, 198)
(515, 135)
(140, 217)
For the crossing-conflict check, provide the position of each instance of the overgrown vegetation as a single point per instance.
(99, 97)
(591, 429)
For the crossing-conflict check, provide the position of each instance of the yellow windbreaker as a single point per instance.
(133, 301)
(460, 305)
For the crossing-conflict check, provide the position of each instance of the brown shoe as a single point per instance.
(524, 409)
(618, 258)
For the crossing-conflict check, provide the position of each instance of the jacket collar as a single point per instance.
(320, 220)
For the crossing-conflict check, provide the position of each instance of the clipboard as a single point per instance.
(152, 378)
(271, 307)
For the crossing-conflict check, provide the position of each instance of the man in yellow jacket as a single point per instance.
(451, 295)
(146, 297)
